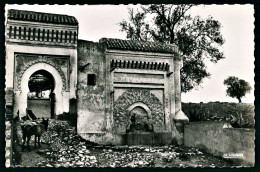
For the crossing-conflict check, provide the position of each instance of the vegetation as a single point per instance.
(240, 115)
(237, 88)
(197, 38)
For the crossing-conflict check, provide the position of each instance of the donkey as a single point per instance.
(37, 130)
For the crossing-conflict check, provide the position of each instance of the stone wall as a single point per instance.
(90, 98)
(215, 138)
(40, 107)
(8, 143)
(8, 126)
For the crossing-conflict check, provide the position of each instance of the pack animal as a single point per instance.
(35, 129)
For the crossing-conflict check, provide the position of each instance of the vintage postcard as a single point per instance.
(159, 85)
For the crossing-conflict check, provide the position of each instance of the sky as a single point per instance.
(98, 21)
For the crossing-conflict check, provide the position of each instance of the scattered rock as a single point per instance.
(48, 165)
(66, 149)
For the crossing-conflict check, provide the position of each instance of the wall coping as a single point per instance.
(207, 122)
(222, 123)
(240, 129)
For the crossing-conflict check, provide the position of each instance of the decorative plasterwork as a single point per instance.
(144, 96)
(41, 60)
(28, 27)
(37, 34)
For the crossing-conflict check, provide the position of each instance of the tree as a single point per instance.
(197, 38)
(237, 88)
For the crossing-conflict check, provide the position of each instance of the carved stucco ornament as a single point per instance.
(132, 96)
(41, 60)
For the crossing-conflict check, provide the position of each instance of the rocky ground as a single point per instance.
(62, 147)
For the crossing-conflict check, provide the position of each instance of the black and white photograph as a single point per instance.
(137, 85)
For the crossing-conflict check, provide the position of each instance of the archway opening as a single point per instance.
(41, 99)
(139, 120)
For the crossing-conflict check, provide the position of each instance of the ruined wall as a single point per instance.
(214, 137)
(91, 101)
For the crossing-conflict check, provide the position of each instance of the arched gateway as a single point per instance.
(58, 84)
(103, 87)
(34, 48)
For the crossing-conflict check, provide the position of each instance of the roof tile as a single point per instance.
(139, 45)
(41, 17)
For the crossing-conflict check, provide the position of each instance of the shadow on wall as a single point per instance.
(72, 115)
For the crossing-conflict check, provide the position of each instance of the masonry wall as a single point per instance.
(41, 107)
(214, 138)
(90, 98)
(8, 143)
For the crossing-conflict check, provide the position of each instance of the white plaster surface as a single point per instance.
(25, 89)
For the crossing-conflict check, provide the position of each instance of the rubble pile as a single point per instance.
(144, 156)
(126, 157)
(66, 149)
(55, 130)
(78, 156)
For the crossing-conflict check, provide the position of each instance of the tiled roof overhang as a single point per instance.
(41, 17)
(132, 45)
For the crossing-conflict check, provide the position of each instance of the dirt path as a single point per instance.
(26, 158)
(30, 158)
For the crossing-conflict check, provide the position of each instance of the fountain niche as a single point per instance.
(140, 129)
(139, 116)
(139, 121)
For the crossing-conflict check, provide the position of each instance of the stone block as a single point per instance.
(7, 143)
(7, 153)
(9, 96)
(7, 163)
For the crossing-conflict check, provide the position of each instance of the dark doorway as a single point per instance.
(41, 99)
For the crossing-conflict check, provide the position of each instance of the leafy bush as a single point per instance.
(239, 115)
